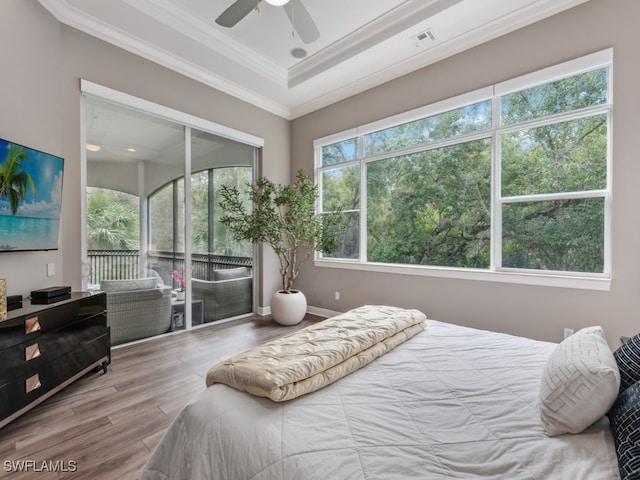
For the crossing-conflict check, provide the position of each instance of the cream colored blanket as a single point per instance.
(318, 355)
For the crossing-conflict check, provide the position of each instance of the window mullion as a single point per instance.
(363, 210)
(608, 209)
(550, 197)
(496, 187)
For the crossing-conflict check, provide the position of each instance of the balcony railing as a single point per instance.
(124, 264)
(113, 265)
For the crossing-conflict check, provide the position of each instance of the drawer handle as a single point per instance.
(31, 383)
(31, 352)
(31, 325)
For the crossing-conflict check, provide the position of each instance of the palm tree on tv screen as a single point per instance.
(13, 181)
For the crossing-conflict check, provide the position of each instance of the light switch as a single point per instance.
(51, 269)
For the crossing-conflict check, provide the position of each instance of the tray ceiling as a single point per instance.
(261, 60)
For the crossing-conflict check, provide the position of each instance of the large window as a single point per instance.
(511, 180)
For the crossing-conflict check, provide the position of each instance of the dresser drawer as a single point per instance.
(46, 376)
(21, 359)
(63, 368)
(32, 325)
(22, 391)
(15, 332)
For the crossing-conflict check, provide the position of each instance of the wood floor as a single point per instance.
(106, 426)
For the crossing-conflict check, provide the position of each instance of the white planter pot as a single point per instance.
(288, 308)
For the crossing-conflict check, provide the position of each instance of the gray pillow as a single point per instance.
(240, 272)
(128, 285)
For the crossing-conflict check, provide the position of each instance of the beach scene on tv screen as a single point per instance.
(30, 198)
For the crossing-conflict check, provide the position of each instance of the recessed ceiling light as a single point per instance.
(131, 149)
(277, 3)
(93, 148)
(298, 53)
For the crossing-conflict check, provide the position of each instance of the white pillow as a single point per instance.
(579, 384)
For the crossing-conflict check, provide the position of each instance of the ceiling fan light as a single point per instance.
(277, 3)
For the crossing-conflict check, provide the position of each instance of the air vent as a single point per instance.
(424, 37)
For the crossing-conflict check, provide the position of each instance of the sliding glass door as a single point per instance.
(164, 225)
(222, 269)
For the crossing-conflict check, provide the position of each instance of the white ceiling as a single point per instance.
(127, 135)
(362, 43)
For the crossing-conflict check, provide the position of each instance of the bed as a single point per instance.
(449, 402)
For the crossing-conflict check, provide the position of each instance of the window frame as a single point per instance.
(496, 272)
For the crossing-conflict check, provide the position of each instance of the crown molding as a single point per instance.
(70, 16)
(396, 21)
(200, 31)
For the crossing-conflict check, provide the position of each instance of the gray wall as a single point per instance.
(43, 62)
(31, 115)
(538, 312)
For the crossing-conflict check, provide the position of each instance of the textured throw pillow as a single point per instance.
(579, 384)
(628, 359)
(625, 424)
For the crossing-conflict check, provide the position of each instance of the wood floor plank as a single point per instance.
(49, 438)
(110, 423)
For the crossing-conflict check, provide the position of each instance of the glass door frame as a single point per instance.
(90, 89)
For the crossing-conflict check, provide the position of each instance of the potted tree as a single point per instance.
(283, 217)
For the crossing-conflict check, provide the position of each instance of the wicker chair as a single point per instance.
(229, 295)
(136, 309)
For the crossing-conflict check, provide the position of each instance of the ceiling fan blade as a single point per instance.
(302, 21)
(236, 12)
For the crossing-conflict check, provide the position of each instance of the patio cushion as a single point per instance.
(128, 285)
(228, 274)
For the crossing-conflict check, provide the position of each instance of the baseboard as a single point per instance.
(321, 312)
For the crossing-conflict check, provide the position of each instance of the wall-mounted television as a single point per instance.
(30, 198)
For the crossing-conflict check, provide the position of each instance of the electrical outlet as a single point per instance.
(337, 295)
(568, 332)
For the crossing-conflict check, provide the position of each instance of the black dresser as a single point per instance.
(43, 348)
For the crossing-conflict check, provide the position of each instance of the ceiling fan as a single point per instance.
(302, 22)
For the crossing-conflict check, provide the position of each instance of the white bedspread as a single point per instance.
(452, 402)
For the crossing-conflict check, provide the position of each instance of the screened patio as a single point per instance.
(152, 213)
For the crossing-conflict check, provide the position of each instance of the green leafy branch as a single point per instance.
(283, 217)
